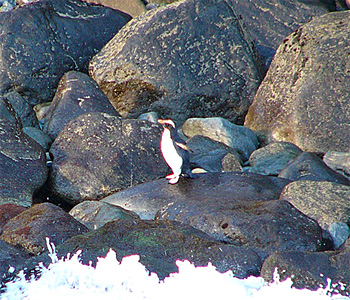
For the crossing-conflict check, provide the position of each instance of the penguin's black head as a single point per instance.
(167, 123)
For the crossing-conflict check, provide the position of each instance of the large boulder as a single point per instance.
(311, 270)
(160, 244)
(148, 198)
(189, 58)
(22, 165)
(77, 94)
(97, 154)
(304, 97)
(30, 228)
(269, 22)
(44, 39)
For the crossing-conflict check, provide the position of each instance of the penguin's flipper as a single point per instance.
(184, 147)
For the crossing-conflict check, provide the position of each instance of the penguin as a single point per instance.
(175, 152)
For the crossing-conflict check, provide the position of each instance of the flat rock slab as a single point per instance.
(304, 97)
(97, 154)
(41, 41)
(311, 270)
(148, 198)
(189, 58)
(30, 228)
(160, 244)
(265, 226)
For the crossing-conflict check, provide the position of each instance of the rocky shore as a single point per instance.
(260, 93)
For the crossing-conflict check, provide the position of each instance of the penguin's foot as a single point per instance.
(174, 179)
(171, 176)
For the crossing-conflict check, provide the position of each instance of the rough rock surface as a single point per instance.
(22, 165)
(97, 154)
(213, 156)
(189, 58)
(325, 202)
(304, 97)
(338, 161)
(146, 199)
(239, 138)
(41, 41)
(311, 270)
(95, 214)
(271, 159)
(269, 22)
(9, 211)
(30, 228)
(131, 7)
(160, 244)
(251, 223)
(308, 166)
(77, 94)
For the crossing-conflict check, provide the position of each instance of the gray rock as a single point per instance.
(150, 116)
(95, 214)
(325, 202)
(239, 138)
(97, 154)
(339, 232)
(34, 58)
(148, 198)
(269, 22)
(304, 97)
(39, 136)
(191, 58)
(271, 159)
(338, 161)
(22, 165)
(77, 94)
(308, 166)
(311, 270)
(30, 228)
(22, 108)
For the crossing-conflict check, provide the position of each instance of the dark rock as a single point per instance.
(160, 244)
(22, 165)
(308, 166)
(43, 40)
(271, 159)
(150, 116)
(97, 154)
(338, 161)
(39, 136)
(239, 138)
(131, 7)
(9, 211)
(95, 214)
(269, 22)
(304, 97)
(311, 270)
(191, 58)
(325, 202)
(10, 257)
(148, 198)
(30, 228)
(213, 156)
(265, 226)
(77, 94)
(22, 108)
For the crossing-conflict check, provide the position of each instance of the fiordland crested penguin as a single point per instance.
(175, 152)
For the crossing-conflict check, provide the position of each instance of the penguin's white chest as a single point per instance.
(172, 158)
